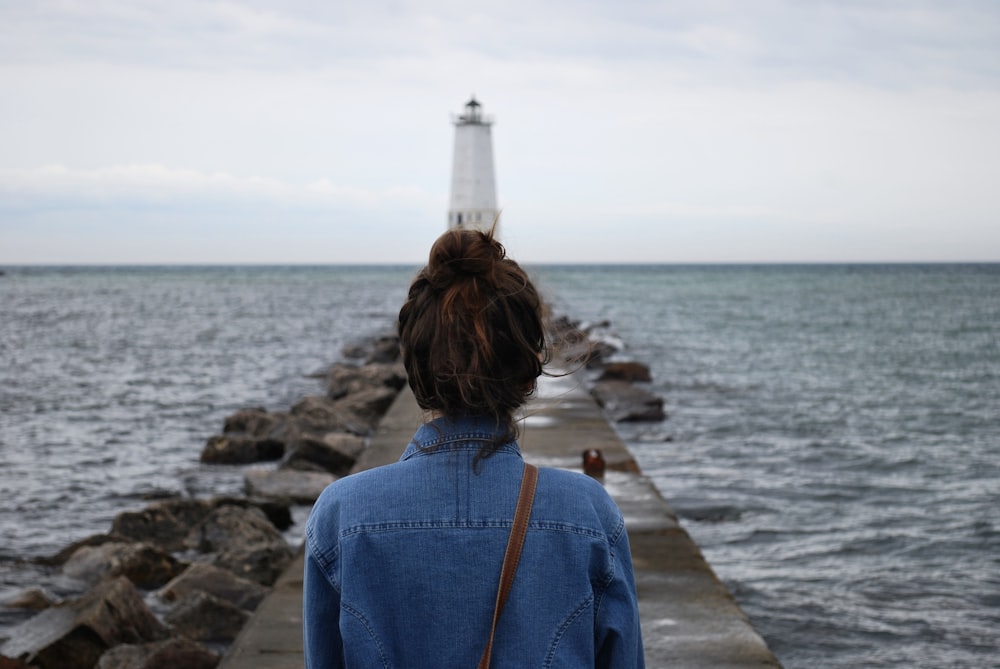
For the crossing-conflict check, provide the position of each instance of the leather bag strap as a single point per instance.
(529, 481)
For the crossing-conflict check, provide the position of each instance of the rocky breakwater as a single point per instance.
(618, 386)
(171, 585)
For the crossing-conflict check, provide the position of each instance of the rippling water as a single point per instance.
(832, 445)
(835, 446)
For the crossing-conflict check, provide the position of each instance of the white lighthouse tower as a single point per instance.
(473, 188)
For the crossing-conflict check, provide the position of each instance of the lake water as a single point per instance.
(833, 440)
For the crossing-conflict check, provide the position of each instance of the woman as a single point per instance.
(403, 561)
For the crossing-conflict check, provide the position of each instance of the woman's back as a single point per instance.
(413, 552)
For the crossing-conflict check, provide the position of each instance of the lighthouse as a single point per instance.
(473, 187)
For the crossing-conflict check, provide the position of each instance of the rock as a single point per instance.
(230, 524)
(203, 617)
(245, 542)
(74, 634)
(228, 449)
(318, 414)
(177, 653)
(145, 565)
(277, 509)
(369, 404)
(624, 402)
(344, 379)
(302, 487)
(262, 563)
(254, 422)
(10, 662)
(217, 582)
(65, 554)
(384, 349)
(625, 371)
(335, 453)
(154, 524)
(32, 599)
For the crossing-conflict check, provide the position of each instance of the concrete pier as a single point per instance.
(689, 619)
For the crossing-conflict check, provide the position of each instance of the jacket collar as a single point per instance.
(457, 433)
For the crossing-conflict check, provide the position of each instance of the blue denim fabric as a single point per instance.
(403, 562)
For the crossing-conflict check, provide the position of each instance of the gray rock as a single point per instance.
(145, 565)
(31, 599)
(231, 524)
(334, 452)
(344, 379)
(369, 404)
(177, 653)
(203, 617)
(262, 563)
(302, 487)
(318, 414)
(74, 634)
(217, 582)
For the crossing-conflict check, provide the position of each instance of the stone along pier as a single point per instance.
(689, 619)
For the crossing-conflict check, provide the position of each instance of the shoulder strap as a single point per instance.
(529, 481)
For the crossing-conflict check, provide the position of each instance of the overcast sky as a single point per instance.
(194, 131)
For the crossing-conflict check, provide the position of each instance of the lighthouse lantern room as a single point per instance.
(473, 187)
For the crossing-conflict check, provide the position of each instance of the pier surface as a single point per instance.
(689, 619)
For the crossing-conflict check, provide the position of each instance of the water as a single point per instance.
(832, 445)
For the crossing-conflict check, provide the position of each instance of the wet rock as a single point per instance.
(145, 565)
(302, 487)
(177, 653)
(625, 371)
(217, 582)
(624, 402)
(335, 452)
(229, 449)
(203, 617)
(32, 599)
(74, 634)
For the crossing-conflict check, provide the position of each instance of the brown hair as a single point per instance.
(471, 332)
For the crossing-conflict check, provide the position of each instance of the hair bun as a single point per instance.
(463, 253)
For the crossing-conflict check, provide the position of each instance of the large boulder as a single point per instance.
(384, 349)
(145, 565)
(203, 617)
(165, 524)
(260, 562)
(300, 486)
(177, 653)
(369, 404)
(334, 452)
(217, 582)
(277, 510)
(244, 542)
(232, 449)
(624, 402)
(232, 524)
(74, 634)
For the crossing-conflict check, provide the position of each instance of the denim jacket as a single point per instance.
(402, 564)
